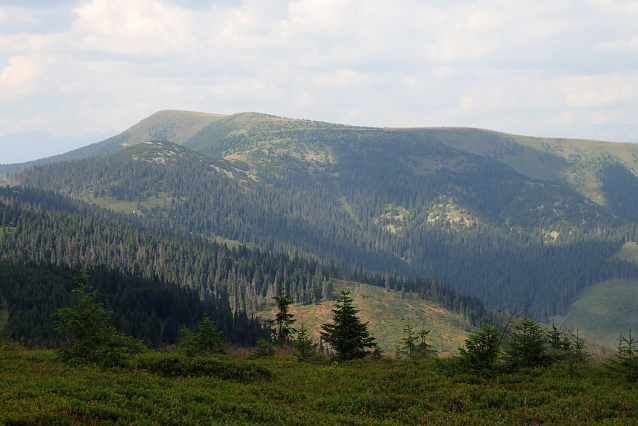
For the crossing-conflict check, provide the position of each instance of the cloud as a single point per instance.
(512, 65)
(21, 76)
(142, 28)
(601, 90)
(620, 45)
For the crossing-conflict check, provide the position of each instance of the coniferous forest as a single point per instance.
(480, 226)
(48, 231)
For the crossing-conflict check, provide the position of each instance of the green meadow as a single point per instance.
(612, 305)
(35, 389)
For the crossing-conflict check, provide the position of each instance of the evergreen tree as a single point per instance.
(87, 327)
(263, 349)
(559, 344)
(577, 353)
(480, 353)
(423, 349)
(281, 327)
(625, 364)
(305, 348)
(412, 347)
(348, 336)
(408, 347)
(528, 346)
(205, 342)
(6, 341)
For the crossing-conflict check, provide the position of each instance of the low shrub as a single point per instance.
(263, 349)
(176, 365)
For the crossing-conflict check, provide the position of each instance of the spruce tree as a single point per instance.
(625, 364)
(480, 353)
(412, 348)
(559, 345)
(281, 327)
(208, 340)
(87, 327)
(305, 347)
(528, 346)
(348, 336)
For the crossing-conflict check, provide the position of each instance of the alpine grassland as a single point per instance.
(612, 305)
(170, 389)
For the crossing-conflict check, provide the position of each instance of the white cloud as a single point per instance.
(601, 90)
(620, 45)
(21, 76)
(141, 27)
(533, 66)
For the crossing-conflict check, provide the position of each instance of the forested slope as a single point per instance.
(44, 228)
(390, 201)
(149, 309)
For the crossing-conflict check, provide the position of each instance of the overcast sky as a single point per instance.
(534, 67)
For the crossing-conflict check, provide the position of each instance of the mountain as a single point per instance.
(520, 222)
(28, 146)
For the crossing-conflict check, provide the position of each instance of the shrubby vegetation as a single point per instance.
(159, 389)
(523, 383)
(177, 365)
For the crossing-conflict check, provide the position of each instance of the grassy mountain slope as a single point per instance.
(387, 313)
(604, 310)
(168, 126)
(174, 126)
(576, 162)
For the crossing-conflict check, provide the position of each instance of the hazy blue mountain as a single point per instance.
(28, 146)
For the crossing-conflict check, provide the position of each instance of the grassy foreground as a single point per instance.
(35, 389)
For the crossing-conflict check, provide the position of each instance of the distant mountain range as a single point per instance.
(521, 222)
(30, 146)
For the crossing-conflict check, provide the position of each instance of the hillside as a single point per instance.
(175, 126)
(40, 390)
(517, 221)
(387, 313)
(601, 309)
(43, 229)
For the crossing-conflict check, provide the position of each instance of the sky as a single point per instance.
(534, 67)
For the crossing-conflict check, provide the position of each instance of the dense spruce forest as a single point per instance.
(48, 233)
(479, 225)
(148, 309)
